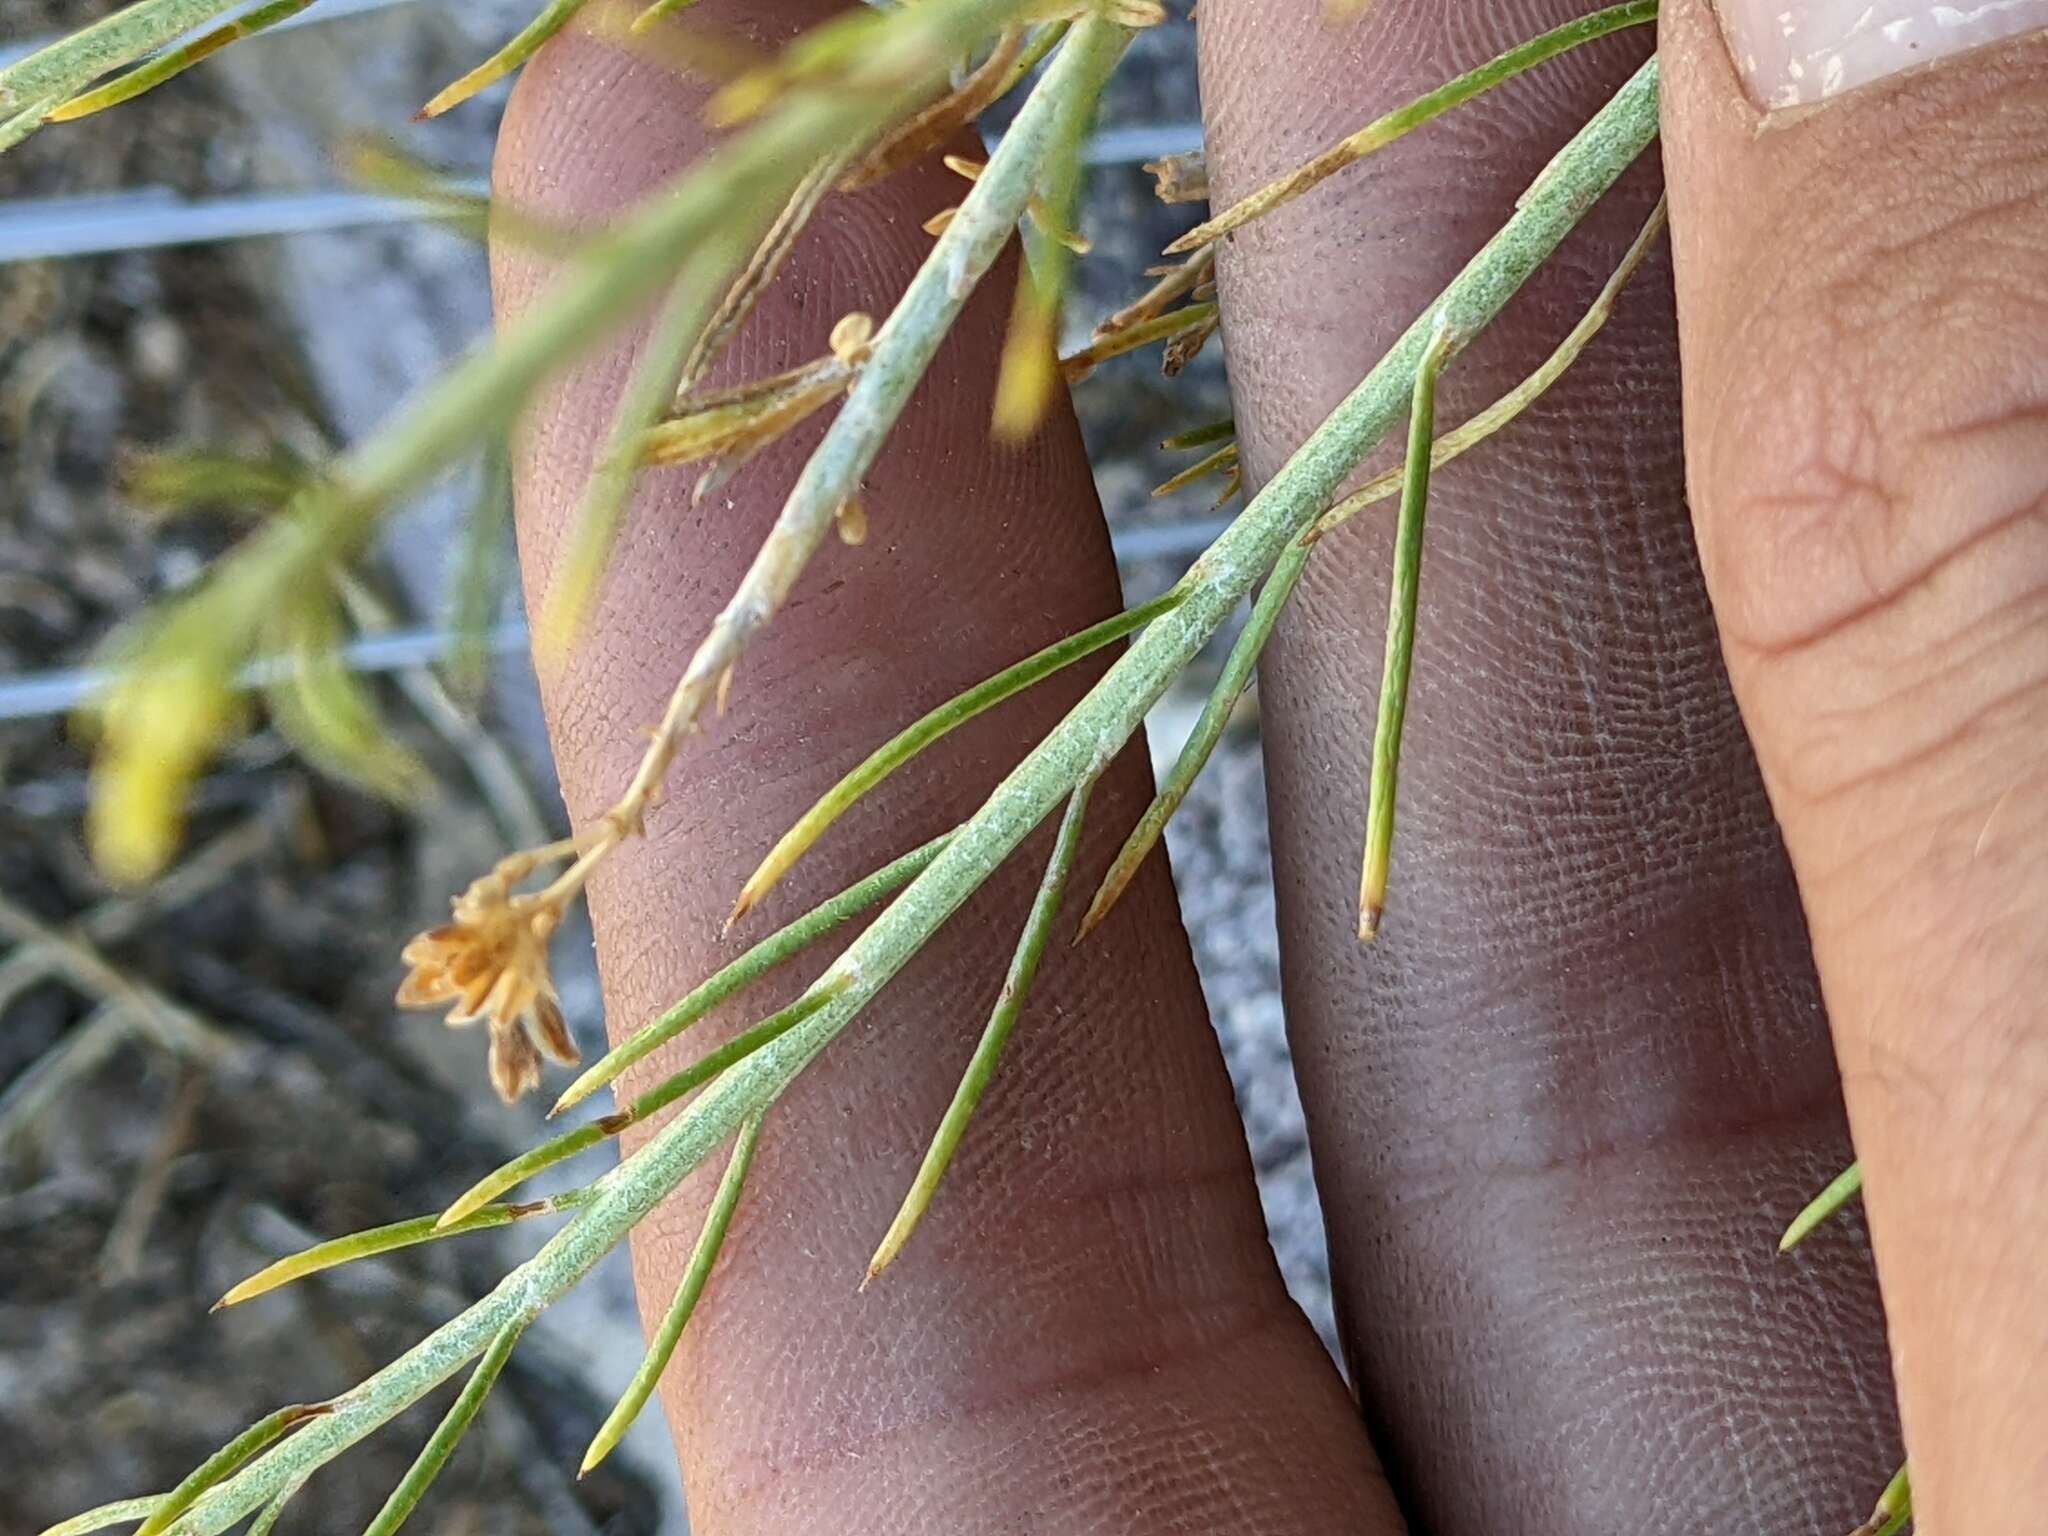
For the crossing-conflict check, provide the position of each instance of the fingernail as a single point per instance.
(1794, 53)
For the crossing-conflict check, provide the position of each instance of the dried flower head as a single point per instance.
(491, 963)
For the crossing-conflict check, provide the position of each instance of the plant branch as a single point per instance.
(1091, 733)
(1405, 120)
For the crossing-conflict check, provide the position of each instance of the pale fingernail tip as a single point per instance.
(1804, 53)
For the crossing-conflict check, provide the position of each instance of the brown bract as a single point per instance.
(491, 963)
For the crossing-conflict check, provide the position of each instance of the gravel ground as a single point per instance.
(137, 1182)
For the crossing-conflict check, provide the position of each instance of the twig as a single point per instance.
(1099, 724)
(749, 968)
(932, 728)
(35, 85)
(1506, 410)
(903, 349)
(1405, 120)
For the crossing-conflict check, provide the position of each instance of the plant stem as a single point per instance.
(224, 1462)
(710, 1240)
(981, 1067)
(1407, 584)
(749, 968)
(147, 77)
(903, 349)
(652, 1102)
(937, 724)
(1201, 743)
(1504, 411)
(1091, 733)
(60, 71)
(1405, 120)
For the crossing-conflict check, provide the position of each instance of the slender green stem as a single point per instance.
(118, 1513)
(1403, 121)
(710, 1240)
(448, 1433)
(1096, 728)
(749, 968)
(651, 1103)
(1279, 588)
(988, 1053)
(1209, 727)
(554, 16)
(1504, 411)
(1394, 677)
(390, 1239)
(226, 1461)
(37, 84)
(1844, 1187)
(174, 62)
(903, 350)
(940, 722)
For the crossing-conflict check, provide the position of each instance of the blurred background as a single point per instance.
(198, 1077)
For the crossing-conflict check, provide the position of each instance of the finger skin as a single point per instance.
(1088, 1332)
(1864, 296)
(1562, 1108)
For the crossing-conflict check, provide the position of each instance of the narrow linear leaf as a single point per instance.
(650, 1103)
(988, 1053)
(389, 1239)
(224, 1462)
(1029, 372)
(1194, 755)
(147, 77)
(761, 269)
(118, 1513)
(35, 85)
(1077, 366)
(448, 1433)
(266, 1522)
(1386, 742)
(556, 15)
(650, 392)
(1846, 1186)
(1894, 1507)
(1202, 436)
(750, 967)
(1504, 411)
(948, 717)
(1221, 462)
(703, 1257)
(659, 9)
(1425, 109)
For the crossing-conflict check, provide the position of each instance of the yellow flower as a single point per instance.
(491, 963)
